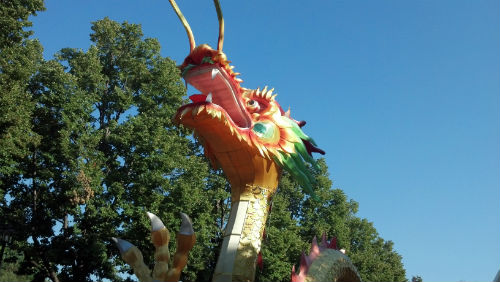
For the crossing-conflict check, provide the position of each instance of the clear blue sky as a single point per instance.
(402, 95)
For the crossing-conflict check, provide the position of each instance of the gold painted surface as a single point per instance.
(253, 229)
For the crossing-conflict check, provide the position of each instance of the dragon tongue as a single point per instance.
(198, 98)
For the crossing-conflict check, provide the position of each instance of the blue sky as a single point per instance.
(402, 95)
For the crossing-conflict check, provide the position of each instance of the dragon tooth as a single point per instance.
(239, 80)
(200, 109)
(209, 98)
(237, 73)
(194, 110)
(210, 111)
(231, 67)
(185, 111)
(214, 73)
(273, 97)
(214, 113)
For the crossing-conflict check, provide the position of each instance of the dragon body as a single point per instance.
(247, 134)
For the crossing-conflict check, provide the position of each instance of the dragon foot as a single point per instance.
(160, 238)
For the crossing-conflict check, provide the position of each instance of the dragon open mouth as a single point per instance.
(217, 88)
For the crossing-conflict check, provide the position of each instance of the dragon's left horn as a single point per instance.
(221, 25)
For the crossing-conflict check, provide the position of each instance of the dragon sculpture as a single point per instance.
(247, 134)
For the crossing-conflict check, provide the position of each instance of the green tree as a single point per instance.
(10, 267)
(19, 58)
(108, 152)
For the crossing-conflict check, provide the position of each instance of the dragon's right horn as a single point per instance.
(220, 42)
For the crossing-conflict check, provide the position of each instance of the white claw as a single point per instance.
(209, 98)
(214, 73)
(122, 245)
(156, 223)
(186, 225)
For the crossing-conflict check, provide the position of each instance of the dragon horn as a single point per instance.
(221, 25)
(185, 24)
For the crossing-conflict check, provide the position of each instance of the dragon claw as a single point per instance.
(123, 245)
(160, 238)
(156, 223)
(186, 225)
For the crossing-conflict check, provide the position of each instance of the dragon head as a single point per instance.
(227, 117)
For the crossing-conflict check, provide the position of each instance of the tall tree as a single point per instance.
(108, 152)
(19, 58)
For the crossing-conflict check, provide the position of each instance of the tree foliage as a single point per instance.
(19, 60)
(87, 146)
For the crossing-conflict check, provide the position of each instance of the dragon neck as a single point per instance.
(253, 182)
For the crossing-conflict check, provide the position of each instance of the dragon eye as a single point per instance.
(253, 106)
